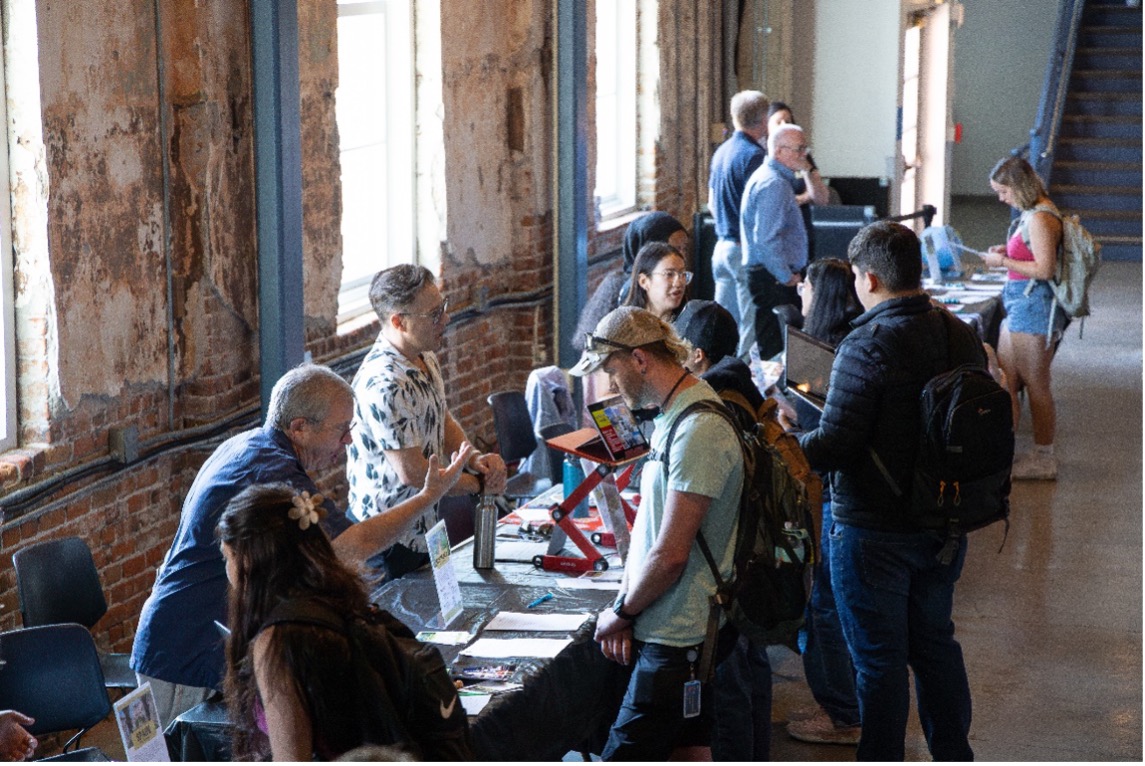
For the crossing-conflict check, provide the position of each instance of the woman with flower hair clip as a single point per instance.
(303, 678)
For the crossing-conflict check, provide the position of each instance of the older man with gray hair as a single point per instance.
(178, 648)
(774, 237)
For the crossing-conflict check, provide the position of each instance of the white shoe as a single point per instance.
(1035, 466)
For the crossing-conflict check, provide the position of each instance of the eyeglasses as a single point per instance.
(803, 149)
(345, 429)
(434, 316)
(674, 275)
(594, 344)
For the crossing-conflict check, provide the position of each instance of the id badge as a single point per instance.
(691, 699)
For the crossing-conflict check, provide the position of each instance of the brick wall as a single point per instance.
(114, 228)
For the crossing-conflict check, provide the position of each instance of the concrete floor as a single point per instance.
(1051, 626)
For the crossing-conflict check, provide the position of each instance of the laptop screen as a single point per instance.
(617, 427)
(807, 366)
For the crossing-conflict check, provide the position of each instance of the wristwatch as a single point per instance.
(618, 610)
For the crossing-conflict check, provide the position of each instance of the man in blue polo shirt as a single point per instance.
(178, 648)
(732, 164)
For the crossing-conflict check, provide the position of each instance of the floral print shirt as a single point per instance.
(396, 406)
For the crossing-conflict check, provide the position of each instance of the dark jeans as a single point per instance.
(766, 294)
(826, 659)
(651, 719)
(895, 602)
(741, 729)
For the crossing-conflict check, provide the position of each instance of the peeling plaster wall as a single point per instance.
(148, 152)
(99, 114)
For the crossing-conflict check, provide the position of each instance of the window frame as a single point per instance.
(623, 131)
(399, 182)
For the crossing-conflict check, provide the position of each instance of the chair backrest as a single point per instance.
(52, 673)
(511, 419)
(58, 582)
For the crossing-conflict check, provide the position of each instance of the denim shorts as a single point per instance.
(1031, 313)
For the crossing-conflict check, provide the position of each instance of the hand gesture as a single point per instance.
(16, 744)
(438, 480)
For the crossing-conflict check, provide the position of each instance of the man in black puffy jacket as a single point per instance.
(894, 597)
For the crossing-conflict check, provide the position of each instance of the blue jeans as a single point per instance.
(732, 292)
(826, 659)
(895, 602)
(741, 729)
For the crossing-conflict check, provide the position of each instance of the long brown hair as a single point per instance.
(277, 560)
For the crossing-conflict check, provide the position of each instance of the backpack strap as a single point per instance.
(720, 600)
(310, 611)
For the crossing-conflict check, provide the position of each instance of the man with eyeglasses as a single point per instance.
(402, 416)
(659, 622)
(774, 238)
(308, 423)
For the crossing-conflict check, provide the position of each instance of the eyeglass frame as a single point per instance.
(435, 316)
(803, 150)
(673, 275)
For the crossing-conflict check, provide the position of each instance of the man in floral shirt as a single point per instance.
(401, 413)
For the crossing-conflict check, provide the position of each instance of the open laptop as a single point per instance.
(615, 436)
(807, 367)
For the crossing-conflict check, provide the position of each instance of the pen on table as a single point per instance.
(539, 601)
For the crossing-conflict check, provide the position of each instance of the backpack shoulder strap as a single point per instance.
(703, 406)
(310, 611)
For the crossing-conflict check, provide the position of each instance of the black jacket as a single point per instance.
(873, 403)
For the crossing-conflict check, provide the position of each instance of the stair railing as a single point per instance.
(1044, 134)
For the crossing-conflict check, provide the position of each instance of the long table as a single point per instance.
(565, 704)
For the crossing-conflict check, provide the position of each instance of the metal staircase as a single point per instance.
(1087, 143)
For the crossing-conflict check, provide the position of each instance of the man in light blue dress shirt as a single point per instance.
(774, 238)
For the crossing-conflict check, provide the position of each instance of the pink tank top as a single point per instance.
(1016, 249)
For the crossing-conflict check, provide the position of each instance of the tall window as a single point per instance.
(616, 156)
(374, 108)
(8, 414)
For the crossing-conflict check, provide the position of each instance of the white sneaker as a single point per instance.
(1035, 466)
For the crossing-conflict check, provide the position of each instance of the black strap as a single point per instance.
(703, 405)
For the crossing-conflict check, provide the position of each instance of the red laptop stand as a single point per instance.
(580, 443)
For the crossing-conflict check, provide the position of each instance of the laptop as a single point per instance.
(807, 367)
(614, 438)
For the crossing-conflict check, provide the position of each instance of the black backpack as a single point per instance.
(961, 479)
(412, 702)
(776, 531)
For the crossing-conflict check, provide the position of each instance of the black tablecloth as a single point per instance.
(567, 703)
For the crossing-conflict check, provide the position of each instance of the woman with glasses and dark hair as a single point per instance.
(660, 281)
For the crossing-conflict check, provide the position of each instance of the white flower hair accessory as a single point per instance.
(306, 509)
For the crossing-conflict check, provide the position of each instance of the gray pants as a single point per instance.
(732, 292)
(172, 700)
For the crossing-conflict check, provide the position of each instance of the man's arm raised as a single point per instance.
(377, 533)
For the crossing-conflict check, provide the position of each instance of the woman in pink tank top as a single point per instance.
(1032, 328)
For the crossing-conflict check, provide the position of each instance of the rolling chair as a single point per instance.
(516, 441)
(52, 674)
(58, 582)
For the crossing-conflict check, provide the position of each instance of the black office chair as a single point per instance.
(52, 674)
(516, 441)
(58, 582)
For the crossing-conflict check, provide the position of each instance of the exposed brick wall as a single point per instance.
(99, 67)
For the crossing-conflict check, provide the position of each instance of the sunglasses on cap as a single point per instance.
(595, 344)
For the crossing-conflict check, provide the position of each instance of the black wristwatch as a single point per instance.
(618, 610)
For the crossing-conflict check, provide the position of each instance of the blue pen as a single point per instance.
(539, 601)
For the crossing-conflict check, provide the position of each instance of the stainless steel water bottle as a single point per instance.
(484, 532)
